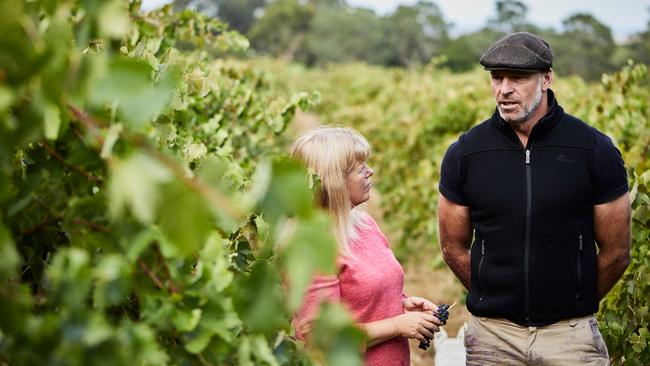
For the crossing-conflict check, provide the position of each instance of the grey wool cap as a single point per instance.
(521, 51)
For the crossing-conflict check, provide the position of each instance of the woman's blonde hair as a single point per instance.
(331, 153)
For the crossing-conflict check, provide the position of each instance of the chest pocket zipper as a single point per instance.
(480, 267)
(579, 266)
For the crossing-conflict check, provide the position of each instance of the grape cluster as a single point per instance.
(443, 315)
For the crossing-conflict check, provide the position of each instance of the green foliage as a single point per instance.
(143, 207)
(623, 108)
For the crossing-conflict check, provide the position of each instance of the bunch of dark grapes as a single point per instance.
(443, 315)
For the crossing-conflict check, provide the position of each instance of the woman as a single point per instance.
(369, 280)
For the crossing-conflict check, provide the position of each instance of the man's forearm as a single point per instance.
(610, 269)
(455, 228)
(458, 260)
(612, 233)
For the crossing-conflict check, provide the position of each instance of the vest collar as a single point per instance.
(541, 128)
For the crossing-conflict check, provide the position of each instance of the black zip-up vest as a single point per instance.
(533, 259)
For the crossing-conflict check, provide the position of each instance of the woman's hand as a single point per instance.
(305, 327)
(416, 303)
(416, 324)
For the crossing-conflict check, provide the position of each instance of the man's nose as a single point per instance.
(506, 86)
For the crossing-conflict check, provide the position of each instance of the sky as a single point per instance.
(624, 17)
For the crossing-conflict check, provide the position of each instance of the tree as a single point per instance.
(464, 52)
(585, 47)
(639, 47)
(511, 16)
(344, 34)
(416, 32)
(239, 14)
(282, 27)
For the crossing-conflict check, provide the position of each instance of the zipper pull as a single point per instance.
(482, 247)
(580, 242)
(527, 156)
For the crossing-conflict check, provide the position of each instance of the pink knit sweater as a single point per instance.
(370, 285)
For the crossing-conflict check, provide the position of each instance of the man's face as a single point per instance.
(517, 93)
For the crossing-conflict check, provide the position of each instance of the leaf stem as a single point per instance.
(151, 275)
(50, 150)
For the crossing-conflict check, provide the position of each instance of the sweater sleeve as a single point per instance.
(321, 289)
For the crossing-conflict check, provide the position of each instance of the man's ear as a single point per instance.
(547, 79)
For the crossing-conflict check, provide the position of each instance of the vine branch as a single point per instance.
(151, 274)
(50, 150)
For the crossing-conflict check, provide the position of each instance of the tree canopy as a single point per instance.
(317, 32)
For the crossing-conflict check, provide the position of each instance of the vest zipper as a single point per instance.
(529, 204)
(579, 263)
(480, 265)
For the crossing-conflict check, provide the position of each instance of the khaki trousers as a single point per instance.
(490, 341)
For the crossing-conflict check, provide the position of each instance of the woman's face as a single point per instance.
(358, 183)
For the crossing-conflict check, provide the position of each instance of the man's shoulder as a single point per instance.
(574, 131)
(572, 121)
(479, 136)
(481, 128)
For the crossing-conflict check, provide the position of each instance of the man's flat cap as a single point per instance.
(521, 51)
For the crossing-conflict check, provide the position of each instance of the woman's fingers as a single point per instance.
(419, 336)
(432, 323)
(425, 332)
(306, 326)
(432, 319)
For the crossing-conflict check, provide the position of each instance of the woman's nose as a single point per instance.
(370, 173)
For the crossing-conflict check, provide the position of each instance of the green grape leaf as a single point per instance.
(262, 351)
(134, 183)
(113, 280)
(9, 258)
(113, 19)
(244, 352)
(287, 193)
(311, 248)
(186, 320)
(127, 84)
(70, 277)
(197, 340)
(337, 336)
(51, 120)
(6, 98)
(185, 218)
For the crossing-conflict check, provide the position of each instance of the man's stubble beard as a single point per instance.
(529, 109)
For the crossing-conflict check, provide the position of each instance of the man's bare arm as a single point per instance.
(455, 230)
(612, 234)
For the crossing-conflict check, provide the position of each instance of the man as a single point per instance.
(545, 198)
